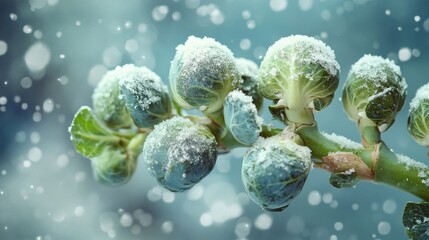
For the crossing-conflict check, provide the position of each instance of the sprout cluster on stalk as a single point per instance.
(135, 116)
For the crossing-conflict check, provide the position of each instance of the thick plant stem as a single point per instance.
(385, 166)
(370, 133)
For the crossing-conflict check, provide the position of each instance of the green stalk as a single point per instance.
(385, 169)
(369, 132)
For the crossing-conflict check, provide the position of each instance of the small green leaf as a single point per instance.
(343, 180)
(89, 135)
(416, 220)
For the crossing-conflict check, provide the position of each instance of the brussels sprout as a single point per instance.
(145, 96)
(249, 79)
(179, 153)
(375, 91)
(274, 171)
(418, 119)
(106, 102)
(115, 166)
(202, 73)
(241, 117)
(299, 72)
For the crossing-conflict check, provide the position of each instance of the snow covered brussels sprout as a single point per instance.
(241, 117)
(249, 80)
(202, 73)
(145, 96)
(418, 119)
(274, 171)
(106, 102)
(375, 91)
(299, 72)
(179, 153)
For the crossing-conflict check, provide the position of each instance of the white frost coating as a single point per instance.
(303, 153)
(423, 171)
(376, 68)
(182, 151)
(198, 53)
(246, 106)
(342, 141)
(380, 94)
(175, 134)
(141, 82)
(248, 69)
(421, 94)
(309, 50)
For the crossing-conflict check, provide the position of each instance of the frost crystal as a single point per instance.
(342, 141)
(423, 171)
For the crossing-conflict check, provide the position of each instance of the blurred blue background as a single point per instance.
(53, 52)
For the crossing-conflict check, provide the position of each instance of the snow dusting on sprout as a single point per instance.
(249, 78)
(202, 73)
(301, 71)
(107, 103)
(418, 118)
(145, 96)
(179, 153)
(374, 90)
(241, 117)
(274, 171)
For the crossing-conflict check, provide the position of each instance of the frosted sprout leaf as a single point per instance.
(416, 220)
(274, 171)
(144, 94)
(202, 73)
(347, 179)
(179, 153)
(241, 117)
(90, 137)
